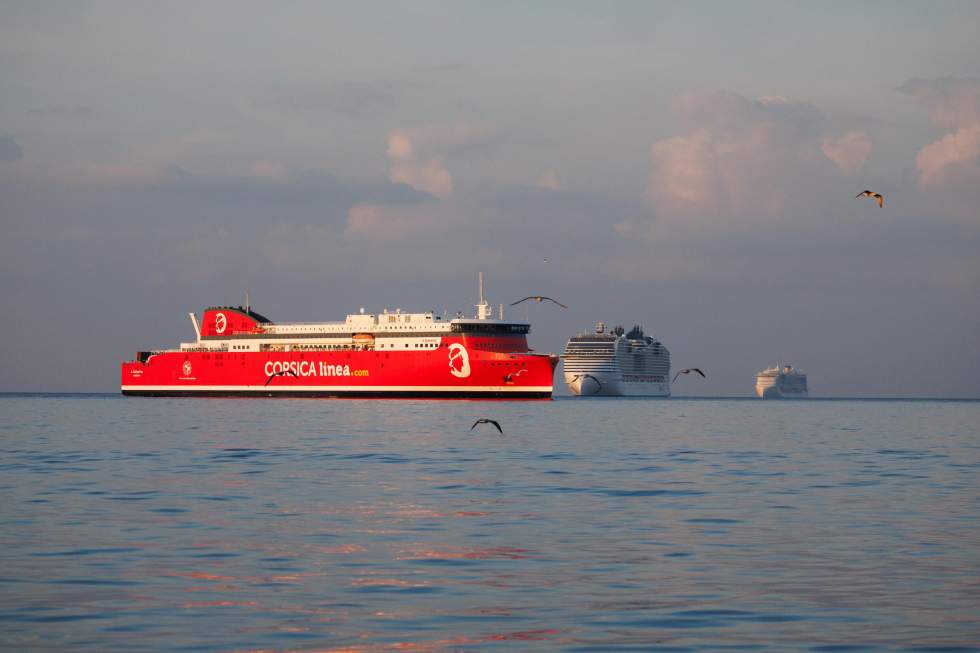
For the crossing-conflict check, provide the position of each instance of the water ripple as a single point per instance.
(376, 527)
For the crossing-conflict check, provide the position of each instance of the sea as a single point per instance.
(701, 524)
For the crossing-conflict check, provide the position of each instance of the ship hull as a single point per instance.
(335, 393)
(774, 392)
(601, 384)
(407, 374)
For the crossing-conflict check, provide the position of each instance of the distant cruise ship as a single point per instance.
(781, 382)
(614, 364)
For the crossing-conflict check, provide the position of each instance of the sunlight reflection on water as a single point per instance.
(589, 525)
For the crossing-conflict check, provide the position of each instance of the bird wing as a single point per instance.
(495, 423)
(862, 194)
(269, 380)
(475, 423)
(675, 376)
(555, 301)
(521, 300)
(699, 372)
(881, 200)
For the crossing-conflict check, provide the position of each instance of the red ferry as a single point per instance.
(238, 352)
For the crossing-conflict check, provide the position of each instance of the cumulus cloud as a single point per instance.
(417, 156)
(430, 176)
(10, 150)
(950, 166)
(952, 102)
(387, 222)
(548, 180)
(684, 173)
(849, 151)
(744, 159)
(951, 161)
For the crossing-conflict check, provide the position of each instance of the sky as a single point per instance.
(690, 167)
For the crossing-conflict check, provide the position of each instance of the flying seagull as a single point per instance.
(539, 299)
(873, 195)
(484, 420)
(688, 370)
(275, 374)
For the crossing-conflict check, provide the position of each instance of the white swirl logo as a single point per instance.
(459, 361)
(220, 323)
(187, 369)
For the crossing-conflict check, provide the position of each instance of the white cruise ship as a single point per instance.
(617, 364)
(781, 382)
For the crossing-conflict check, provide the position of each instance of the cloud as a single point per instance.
(10, 150)
(388, 222)
(548, 180)
(743, 161)
(949, 168)
(849, 152)
(684, 173)
(951, 161)
(430, 176)
(416, 156)
(952, 102)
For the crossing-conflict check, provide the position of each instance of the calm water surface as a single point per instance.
(590, 525)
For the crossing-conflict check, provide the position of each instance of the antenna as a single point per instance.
(246, 302)
(483, 309)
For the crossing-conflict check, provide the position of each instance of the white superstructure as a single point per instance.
(781, 382)
(617, 364)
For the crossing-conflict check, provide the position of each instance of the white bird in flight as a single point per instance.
(688, 370)
(539, 299)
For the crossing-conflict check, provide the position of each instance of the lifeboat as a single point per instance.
(363, 341)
